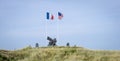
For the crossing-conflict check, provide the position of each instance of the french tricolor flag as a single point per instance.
(49, 16)
(60, 15)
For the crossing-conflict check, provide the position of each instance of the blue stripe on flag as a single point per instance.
(47, 15)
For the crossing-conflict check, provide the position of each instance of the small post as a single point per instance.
(68, 45)
(36, 45)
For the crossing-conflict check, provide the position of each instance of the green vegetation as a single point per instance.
(59, 54)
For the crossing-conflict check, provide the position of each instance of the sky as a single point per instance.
(93, 24)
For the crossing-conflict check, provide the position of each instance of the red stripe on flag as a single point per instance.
(60, 15)
(52, 17)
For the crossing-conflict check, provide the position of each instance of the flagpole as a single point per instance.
(60, 15)
(58, 30)
(46, 30)
(47, 18)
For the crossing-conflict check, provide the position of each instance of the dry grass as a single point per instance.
(59, 54)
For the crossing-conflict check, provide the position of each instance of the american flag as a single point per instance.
(60, 15)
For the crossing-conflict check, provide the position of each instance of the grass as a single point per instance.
(59, 54)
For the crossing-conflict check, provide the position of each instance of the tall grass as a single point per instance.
(59, 54)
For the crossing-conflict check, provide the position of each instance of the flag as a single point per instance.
(47, 15)
(50, 16)
(60, 15)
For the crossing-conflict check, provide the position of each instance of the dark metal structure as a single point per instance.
(52, 42)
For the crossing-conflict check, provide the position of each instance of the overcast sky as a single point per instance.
(93, 24)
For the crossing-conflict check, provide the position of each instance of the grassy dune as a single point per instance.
(59, 54)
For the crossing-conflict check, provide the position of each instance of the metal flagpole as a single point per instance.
(58, 30)
(46, 29)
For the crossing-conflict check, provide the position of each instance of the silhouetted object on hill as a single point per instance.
(36, 45)
(52, 42)
(68, 44)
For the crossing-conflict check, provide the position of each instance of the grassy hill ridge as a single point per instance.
(59, 54)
